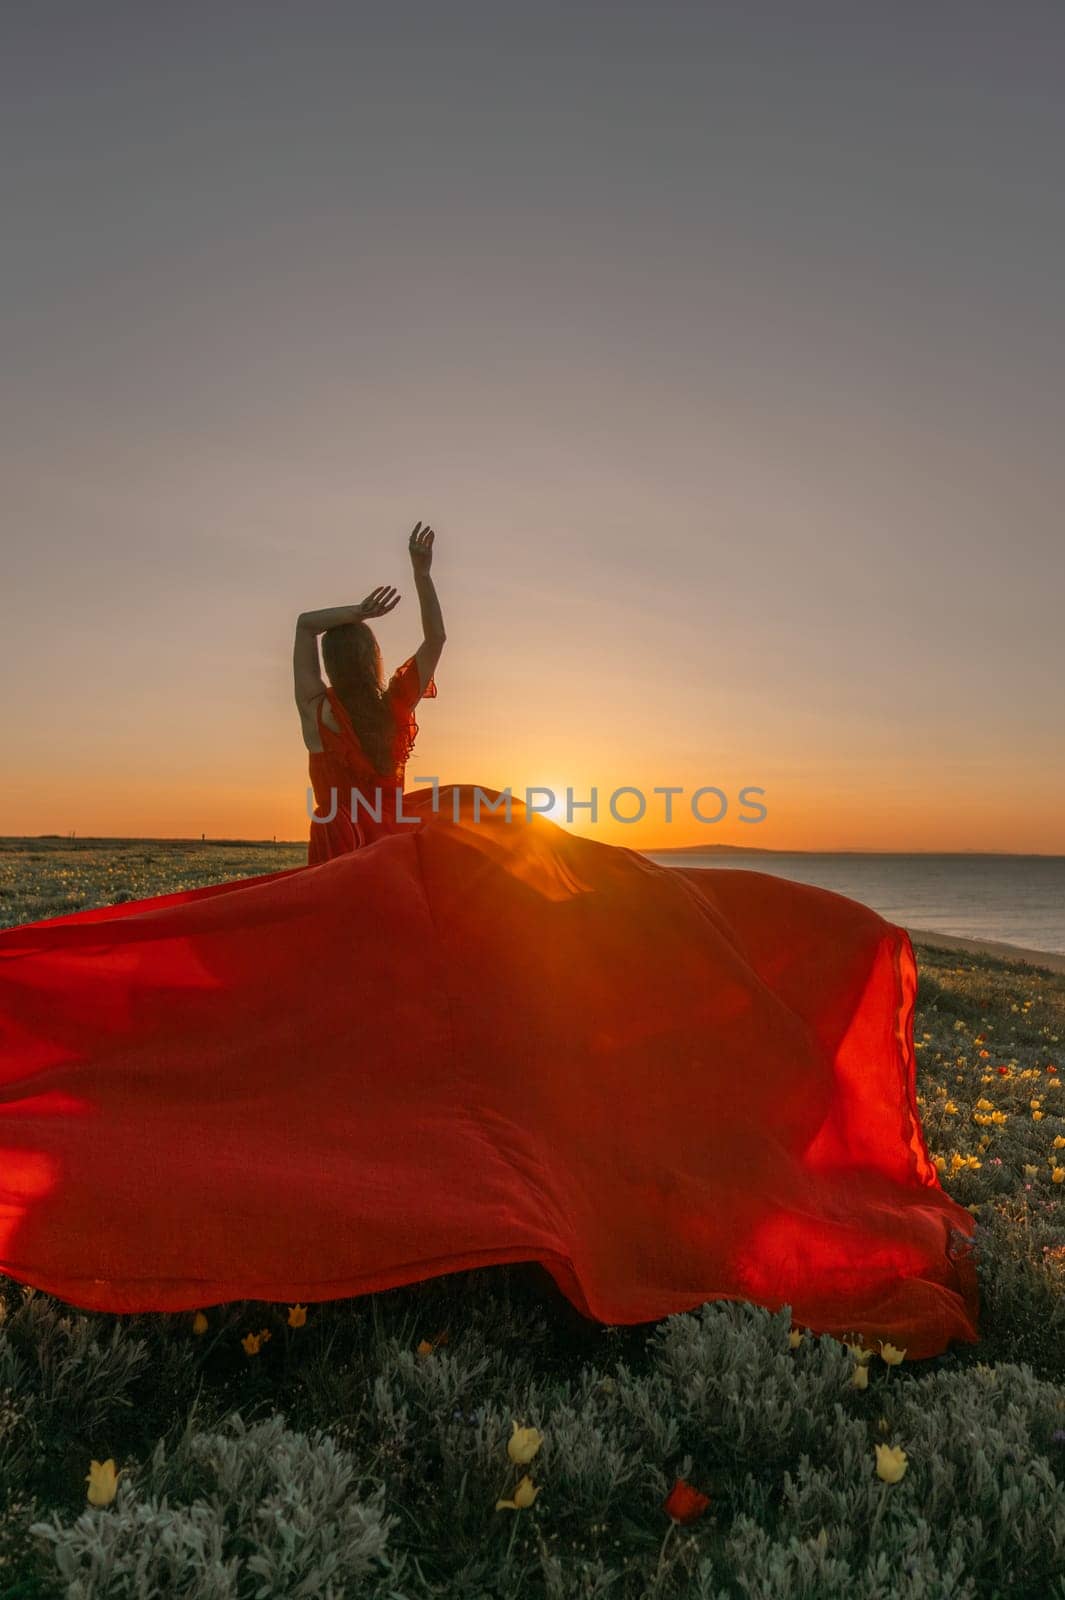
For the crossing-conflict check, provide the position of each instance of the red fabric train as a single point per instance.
(472, 1042)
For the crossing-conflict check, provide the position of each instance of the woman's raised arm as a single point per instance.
(433, 636)
(306, 670)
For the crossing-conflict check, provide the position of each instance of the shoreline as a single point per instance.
(1054, 960)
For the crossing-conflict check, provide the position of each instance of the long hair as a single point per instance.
(353, 661)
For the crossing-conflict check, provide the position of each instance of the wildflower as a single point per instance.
(523, 1445)
(103, 1482)
(297, 1316)
(951, 1109)
(1030, 1170)
(795, 1338)
(1059, 1142)
(984, 1054)
(199, 1323)
(1058, 1174)
(253, 1342)
(1003, 1072)
(524, 1495)
(1037, 1116)
(860, 1376)
(891, 1353)
(425, 1348)
(683, 1503)
(882, 1425)
(890, 1462)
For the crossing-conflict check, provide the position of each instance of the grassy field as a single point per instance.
(361, 1448)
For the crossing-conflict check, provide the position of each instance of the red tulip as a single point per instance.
(683, 1503)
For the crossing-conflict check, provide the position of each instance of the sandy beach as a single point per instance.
(1051, 959)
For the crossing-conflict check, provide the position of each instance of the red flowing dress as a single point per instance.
(472, 1040)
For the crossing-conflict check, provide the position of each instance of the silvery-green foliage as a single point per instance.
(764, 1566)
(146, 1550)
(976, 1440)
(240, 1513)
(81, 1367)
(727, 1373)
(18, 1438)
(570, 1580)
(589, 1456)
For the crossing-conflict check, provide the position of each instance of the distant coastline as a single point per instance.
(765, 850)
(96, 840)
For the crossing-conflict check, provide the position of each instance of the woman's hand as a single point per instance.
(421, 548)
(377, 602)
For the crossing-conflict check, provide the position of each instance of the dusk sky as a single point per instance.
(723, 346)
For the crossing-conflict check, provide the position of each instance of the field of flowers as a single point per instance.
(474, 1437)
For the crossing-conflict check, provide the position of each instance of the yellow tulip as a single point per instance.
(297, 1316)
(523, 1445)
(860, 1376)
(1030, 1171)
(252, 1343)
(795, 1338)
(860, 1354)
(891, 1353)
(1037, 1116)
(103, 1482)
(890, 1462)
(524, 1495)
(1058, 1174)
(199, 1323)
(1059, 1142)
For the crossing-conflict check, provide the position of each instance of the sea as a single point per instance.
(1019, 900)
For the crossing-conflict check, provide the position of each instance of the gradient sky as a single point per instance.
(723, 345)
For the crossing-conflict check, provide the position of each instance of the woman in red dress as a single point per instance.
(358, 731)
(471, 1039)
